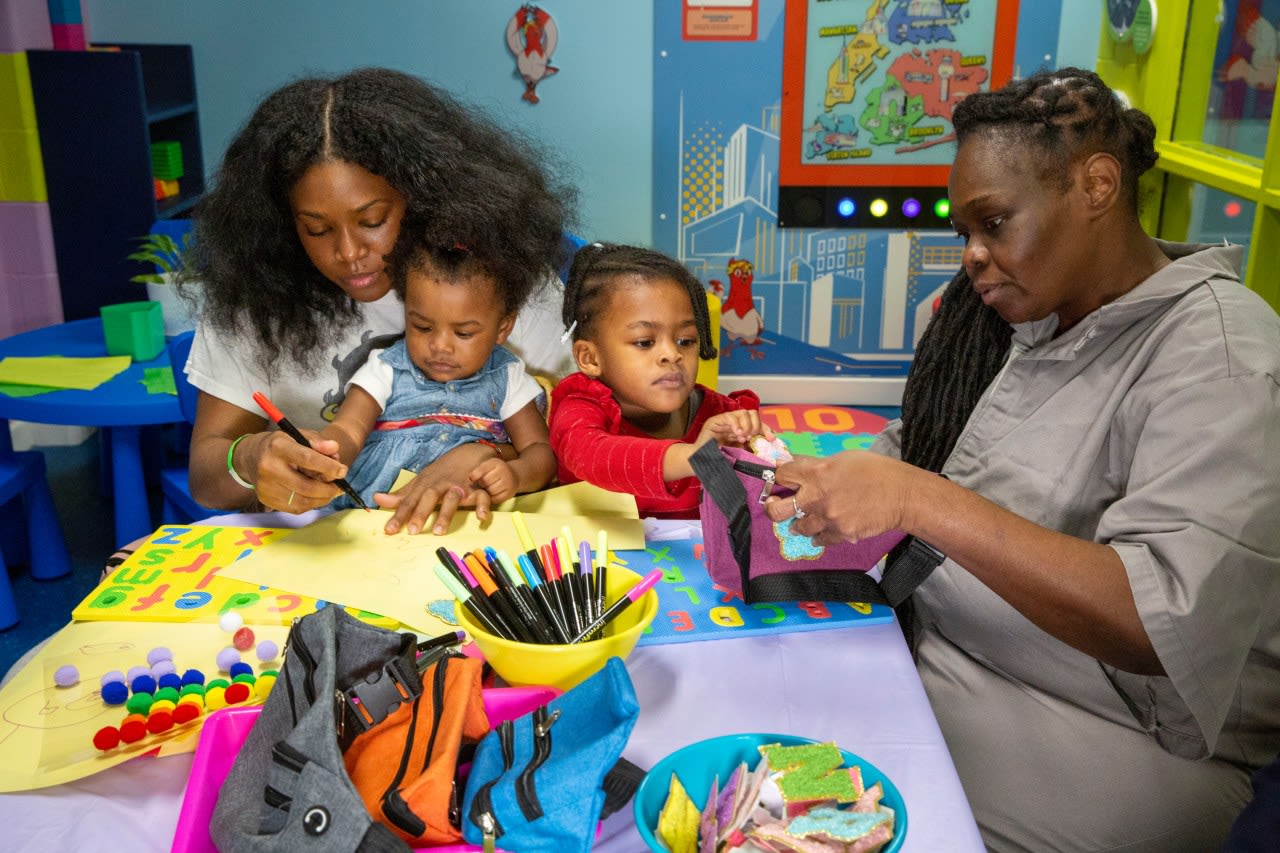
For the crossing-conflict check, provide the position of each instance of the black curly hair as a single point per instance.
(598, 265)
(1064, 116)
(413, 253)
(465, 181)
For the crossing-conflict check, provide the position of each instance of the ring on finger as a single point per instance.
(462, 493)
(799, 513)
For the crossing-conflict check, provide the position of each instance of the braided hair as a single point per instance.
(1064, 116)
(600, 265)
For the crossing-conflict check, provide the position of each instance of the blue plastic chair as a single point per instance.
(175, 485)
(22, 477)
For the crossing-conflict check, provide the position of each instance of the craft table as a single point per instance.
(855, 686)
(120, 407)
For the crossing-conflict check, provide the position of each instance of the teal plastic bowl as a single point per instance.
(698, 763)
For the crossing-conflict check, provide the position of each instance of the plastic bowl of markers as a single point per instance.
(564, 666)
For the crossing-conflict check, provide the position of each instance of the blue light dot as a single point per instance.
(845, 207)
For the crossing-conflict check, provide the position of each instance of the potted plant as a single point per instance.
(166, 254)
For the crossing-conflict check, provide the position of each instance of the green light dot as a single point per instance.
(942, 208)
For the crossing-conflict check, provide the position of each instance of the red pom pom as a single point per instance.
(243, 639)
(107, 738)
(132, 731)
(237, 693)
(185, 713)
(160, 721)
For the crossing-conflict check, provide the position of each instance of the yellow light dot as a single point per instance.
(879, 207)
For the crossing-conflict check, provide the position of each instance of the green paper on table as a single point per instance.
(57, 372)
(159, 380)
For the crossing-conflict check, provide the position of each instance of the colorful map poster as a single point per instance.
(872, 84)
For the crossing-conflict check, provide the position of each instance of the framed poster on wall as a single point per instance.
(868, 89)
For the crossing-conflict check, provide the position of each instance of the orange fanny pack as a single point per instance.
(405, 768)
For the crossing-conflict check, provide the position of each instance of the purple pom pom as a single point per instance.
(227, 657)
(113, 675)
(66, 676)
(158, 654)
(268, 650)
(164, 667)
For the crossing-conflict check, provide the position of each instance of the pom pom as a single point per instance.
(193, 699)
(159, 721)
(171, 680)
(193, 676)
(169, 694)
(162, 705)
(139, 703)
(244, 678)
(115, 693)
(135, 671)
(222, 683)
(143, 684)
(240, 668)
(227, 658)
(158, 654)
(263, 686)
(112, 676)
(237, 693)
(164, 667)
(66, 676)
(133, 729)
(215, 698)
(243, 639)
(231, 621)
(106, 738)
(185, 713)
(268, 650)
(192, 690)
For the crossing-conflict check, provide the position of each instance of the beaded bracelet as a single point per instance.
(231, 451)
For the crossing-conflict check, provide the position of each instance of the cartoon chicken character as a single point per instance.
(739, 319)
(532, 37)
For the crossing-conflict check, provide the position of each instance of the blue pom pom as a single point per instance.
(240, 668)
(172, 679)
(143, 684)
(115, 693)
(193, 676)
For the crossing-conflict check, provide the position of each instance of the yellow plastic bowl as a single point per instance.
(563, 666)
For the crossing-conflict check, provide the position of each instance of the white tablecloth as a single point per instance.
(855, 686)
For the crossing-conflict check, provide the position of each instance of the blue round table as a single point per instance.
(121, 407)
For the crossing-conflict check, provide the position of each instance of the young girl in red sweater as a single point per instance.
(632, 415)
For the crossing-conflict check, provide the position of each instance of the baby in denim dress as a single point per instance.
(448, 382)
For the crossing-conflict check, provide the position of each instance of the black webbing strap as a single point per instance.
(908, 570)
(721, 482)
(619, 786)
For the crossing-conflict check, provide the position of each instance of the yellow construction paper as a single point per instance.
(347, 557)
(56, 371)
(579, 498)
(46, 731)
(679, 820)
(178, 574)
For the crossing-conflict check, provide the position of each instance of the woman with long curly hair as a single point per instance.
(290, 247)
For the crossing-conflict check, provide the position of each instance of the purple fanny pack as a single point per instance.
(763, 560)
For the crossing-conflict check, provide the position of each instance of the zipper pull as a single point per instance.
(339, 712)
(769, 477)
(544, 725)
(488, 827)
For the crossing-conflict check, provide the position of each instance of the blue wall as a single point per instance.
(595, 116)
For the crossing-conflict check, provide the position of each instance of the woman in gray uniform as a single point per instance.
(1101, 645)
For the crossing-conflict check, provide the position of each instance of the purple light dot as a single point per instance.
(911, 208)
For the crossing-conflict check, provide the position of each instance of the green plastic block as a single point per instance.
(21, 167)
(166, 160)
(133, 328)
(17, 106)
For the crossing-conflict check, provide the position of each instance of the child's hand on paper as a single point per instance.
(496, 477)
(441, 487)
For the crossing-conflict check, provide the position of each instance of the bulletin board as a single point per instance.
(868, 90)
